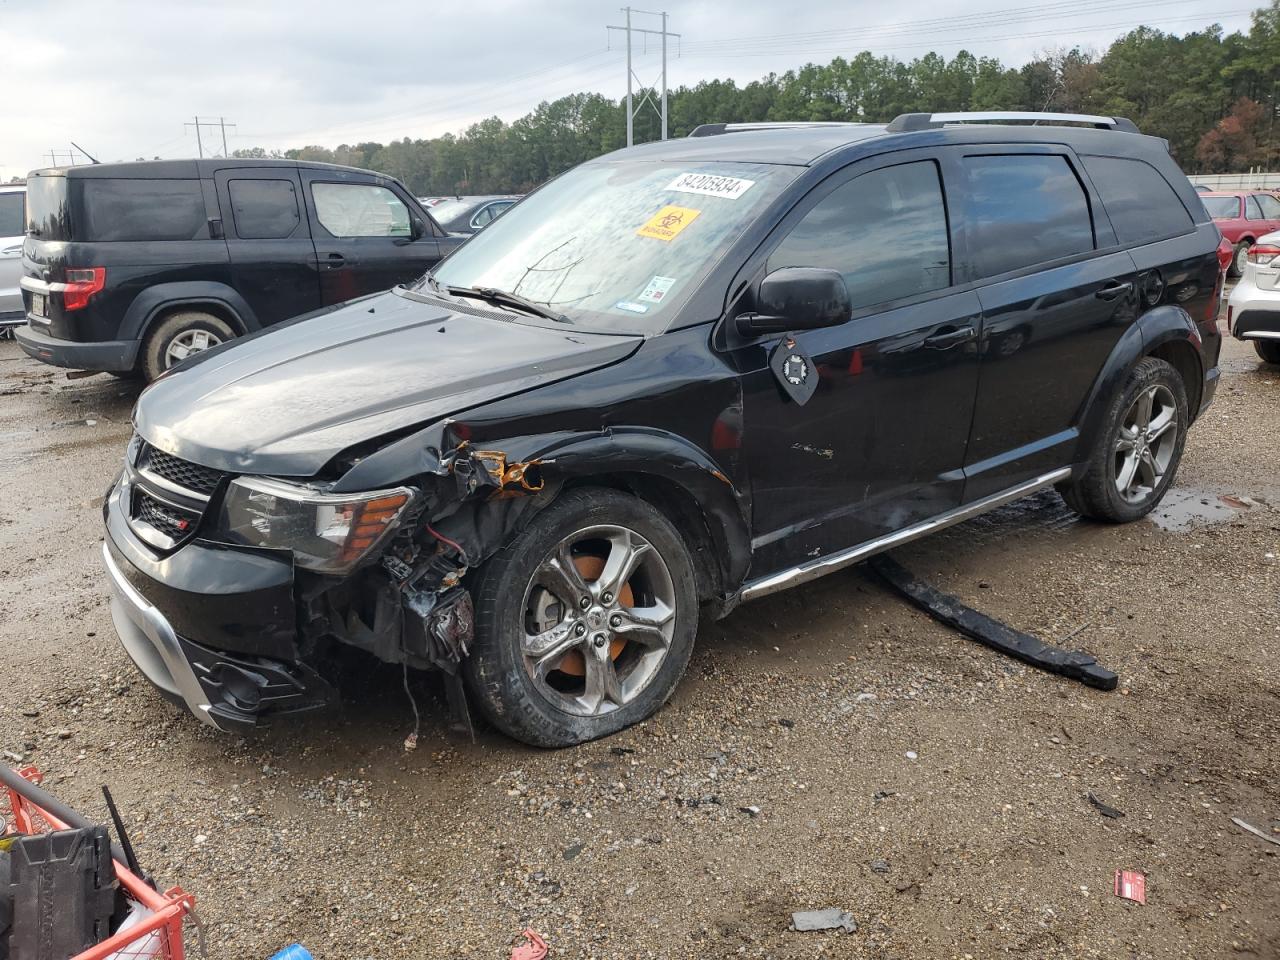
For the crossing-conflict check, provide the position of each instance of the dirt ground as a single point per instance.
(935, 790)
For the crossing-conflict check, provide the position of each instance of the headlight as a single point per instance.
(327, 532)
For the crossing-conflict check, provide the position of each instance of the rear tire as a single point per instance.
(1136, 453)
(1268, 350)
(181, 335)
(1236, 269)
(559, 659)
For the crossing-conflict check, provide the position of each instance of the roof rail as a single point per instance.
(715, 129)
(907, 122)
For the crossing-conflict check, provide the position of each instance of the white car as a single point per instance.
(13, 227)
(1253, 311)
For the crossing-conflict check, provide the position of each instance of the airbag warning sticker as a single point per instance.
(710, 185)
(667, 223)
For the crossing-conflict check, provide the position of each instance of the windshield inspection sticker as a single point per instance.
(657, 289)
(710, 185)
(666, 224)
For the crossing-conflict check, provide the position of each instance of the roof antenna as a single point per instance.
(85, 152)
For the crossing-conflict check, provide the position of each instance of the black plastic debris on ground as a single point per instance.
(1073, 664)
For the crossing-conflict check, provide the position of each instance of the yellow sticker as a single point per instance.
(668, 222)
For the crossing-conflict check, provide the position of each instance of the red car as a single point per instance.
(1242, 217)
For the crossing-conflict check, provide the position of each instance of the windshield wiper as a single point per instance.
(504, 299)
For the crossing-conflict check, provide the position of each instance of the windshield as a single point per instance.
(616, 247)
(1222, 208)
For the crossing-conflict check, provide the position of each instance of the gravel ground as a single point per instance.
(829, 747)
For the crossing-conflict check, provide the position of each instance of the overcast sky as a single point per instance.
(120, 77)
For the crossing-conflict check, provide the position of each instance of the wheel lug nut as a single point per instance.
(580, 629)
(607, 598)
(600, 640)
(584, 602)
(615, 621)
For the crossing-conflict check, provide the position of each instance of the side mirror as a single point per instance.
(417, 228)
(797, 298)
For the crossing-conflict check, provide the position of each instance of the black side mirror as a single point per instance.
(417, 228)
(797, 298)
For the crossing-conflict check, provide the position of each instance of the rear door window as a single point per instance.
(1222, 208)
(885, 232)
(1252, 211)
(264, 209)
(360, 210)
(12, 218)
(1140, 202)
(1024, 209)
(141, 210)
(1269, 204)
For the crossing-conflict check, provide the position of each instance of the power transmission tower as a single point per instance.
(53, 156)
(628, 29)
(220, 123)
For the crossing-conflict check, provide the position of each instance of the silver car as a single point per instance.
(13, 205)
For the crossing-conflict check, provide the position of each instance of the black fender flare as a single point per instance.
(1154, 329)
(558, 459)
(148, 305)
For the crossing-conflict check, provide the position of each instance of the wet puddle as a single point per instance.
(1183, 509)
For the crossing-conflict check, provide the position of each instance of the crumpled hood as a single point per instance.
(286, 401)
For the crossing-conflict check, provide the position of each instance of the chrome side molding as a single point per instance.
(821, 566)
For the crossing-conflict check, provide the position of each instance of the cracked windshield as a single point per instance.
(617, 247)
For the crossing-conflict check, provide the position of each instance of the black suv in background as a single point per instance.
(681, 376)
(136, 266)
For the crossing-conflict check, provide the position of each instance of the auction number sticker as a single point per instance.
(711, 185)
(667, 223)
(656, 289)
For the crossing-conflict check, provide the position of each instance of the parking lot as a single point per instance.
(829, 747)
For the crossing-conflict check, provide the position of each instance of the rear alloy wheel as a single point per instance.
(585, 621)
(1268, 350)
(1239, 259)
(1138, 448)
(182, 335)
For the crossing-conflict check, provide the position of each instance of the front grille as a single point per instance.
(173, 522)
(181, 473)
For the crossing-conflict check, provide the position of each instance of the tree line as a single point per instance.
(1213, 96)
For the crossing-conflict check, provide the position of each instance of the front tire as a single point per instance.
(1137, 451)
(179, 336)
(1238, 258)
(1268, 350)
(585, 620)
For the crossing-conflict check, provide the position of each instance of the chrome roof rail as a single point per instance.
(715, 129)
(907, 122)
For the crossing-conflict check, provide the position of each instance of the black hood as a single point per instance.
(286, 401)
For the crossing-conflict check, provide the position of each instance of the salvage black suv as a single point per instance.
(133, 267)
(679, 377)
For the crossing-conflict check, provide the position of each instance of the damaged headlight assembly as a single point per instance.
(328, 533)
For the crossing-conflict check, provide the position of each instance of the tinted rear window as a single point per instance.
(12, 222)
(1025, 209)
(264, 209)
(1140, 202)
(140, 210)
(48, 213)
(1222, 208)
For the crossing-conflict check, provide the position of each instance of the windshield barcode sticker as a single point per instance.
(710, 185)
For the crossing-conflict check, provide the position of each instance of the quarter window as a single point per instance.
(1138, 199)
(1269, 204)
(1025, 209)
(142, 210)
(885, 232)
(264, 209)
(11, 216)
(360, 210)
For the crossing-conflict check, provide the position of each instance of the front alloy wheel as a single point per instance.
(585, 620)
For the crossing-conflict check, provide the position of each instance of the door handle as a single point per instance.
(14, 251)
(946, 339)
(1115, 290)
(335, 261)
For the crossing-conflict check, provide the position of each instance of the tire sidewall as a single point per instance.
(1149, 372)
(1241, 250)
(495, 671)
(174, 326)
(1268, 351)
